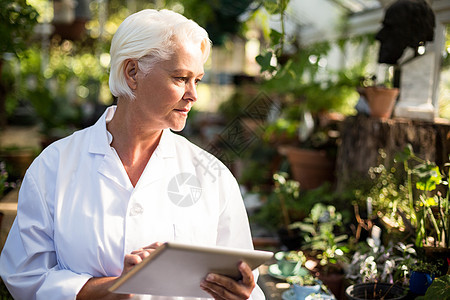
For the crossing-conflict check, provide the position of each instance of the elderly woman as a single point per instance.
(96, 203)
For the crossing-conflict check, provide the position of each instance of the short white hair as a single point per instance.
(151, 36)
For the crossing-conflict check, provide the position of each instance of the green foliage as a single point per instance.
(4, 293)
(283, 205)
(3, 178)
(425, 267)
(295, 256)
(409, 198)
(388, 194)
(323, 232)
(306, 280)
(264, 61)
(17, 20)
(427, 177)
(275, 7)
(219, 17)
(439, 289)
(56, 109)
(377, 263)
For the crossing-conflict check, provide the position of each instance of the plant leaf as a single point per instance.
(405, 154)
(264, 62)
(439, 289)
(275, 37)
(428, 176)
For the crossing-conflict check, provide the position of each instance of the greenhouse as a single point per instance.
(224, 149)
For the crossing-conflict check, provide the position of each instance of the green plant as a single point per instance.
(4, 293)
(427, 177)
(17, 20)
(410, 195)
(283, 203)
(425, 267)
(377, 263)
(220, 18)
(439, 289)
(3, 178)
(322, 234)
(304, 280)
(297, 256)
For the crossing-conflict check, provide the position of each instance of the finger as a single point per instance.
(213, 289)
(132, 259)
(225, 287)
(123, 296)
(154, 245)
(137, 251)
(247, 275)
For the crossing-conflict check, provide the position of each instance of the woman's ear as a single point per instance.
(130, 72)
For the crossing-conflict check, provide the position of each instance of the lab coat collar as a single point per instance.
(99, 138)
(100, 144)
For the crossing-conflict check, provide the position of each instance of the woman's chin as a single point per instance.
(178, 127)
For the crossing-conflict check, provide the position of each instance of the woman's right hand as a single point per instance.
(97, 288)
(137, 256)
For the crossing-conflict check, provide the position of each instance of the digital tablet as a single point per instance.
(176, 269)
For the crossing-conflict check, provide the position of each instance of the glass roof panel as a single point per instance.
(355, 6)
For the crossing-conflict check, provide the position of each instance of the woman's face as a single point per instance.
(167, 92)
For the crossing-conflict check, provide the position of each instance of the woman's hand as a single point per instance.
(225, 288)
(137, 256)
(97, 288)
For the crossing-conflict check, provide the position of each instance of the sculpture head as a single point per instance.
(407, 23)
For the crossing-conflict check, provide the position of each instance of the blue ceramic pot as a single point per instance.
(419, 282)
(301, 292)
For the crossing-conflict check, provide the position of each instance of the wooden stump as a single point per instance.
(362, 137)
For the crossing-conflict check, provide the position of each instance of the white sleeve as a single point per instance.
(28, 264)
(234, 228)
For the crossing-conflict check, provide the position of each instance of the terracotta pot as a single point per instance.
(311, 168)
(381, 101)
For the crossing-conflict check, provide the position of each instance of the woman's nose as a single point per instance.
(190, 92)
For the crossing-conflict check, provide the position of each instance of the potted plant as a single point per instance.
(314, 133)
(375, 290)
(308, 143)
(289, 261)
(411, 198)
(422, 275)
(304, 285)
(381, 99)
(281, 207)
(377, 271)
(428, 205)
(324, 240)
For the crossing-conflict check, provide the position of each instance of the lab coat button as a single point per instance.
(136, 209)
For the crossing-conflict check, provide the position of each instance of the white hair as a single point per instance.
(150, 36)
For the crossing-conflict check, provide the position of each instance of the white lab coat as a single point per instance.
(78, 213)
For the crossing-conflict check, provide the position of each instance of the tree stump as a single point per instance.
(362, 137)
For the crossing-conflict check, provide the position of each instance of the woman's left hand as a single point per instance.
(225, 288)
